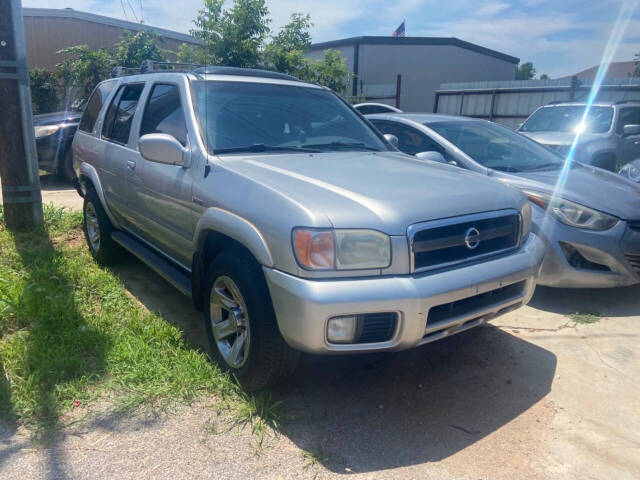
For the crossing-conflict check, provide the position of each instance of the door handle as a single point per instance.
(131, 166)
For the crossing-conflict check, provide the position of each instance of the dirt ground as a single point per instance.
(533, 395)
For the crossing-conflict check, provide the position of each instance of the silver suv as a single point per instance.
(291, 221)
(609, 135)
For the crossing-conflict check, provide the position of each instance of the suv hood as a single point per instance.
(387, 191)
(559, 138)
(590, 186)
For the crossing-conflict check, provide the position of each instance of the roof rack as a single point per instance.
(557, 102)
(151, 66)
(244, 72)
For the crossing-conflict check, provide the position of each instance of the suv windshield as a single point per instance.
(567, 119)
(262, 117)
(497, 147)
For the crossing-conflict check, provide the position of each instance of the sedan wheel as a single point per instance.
(230, 322)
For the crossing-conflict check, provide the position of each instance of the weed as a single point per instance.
(584, 318)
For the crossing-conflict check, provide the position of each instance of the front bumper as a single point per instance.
(612, 249)
(303, 306)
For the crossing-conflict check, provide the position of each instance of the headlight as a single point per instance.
(573, 214)
(631, 171)
(525, 213)
(46, 130)
(327, 249)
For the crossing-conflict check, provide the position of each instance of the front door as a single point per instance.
(159, 195)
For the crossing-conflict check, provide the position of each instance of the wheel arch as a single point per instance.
(88, 178)
(219, 230)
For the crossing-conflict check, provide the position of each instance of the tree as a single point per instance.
(82, 70)
(44, 90)
(525, 71)
(233, 37)
(286, 51)
(187, 53)
(544, 76)
(135, 48)
(331, 71)
(295, 34)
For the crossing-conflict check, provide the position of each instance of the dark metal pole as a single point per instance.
(493, 106)
(21, 195)
(398, 90)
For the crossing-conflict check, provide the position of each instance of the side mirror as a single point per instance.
(431, 155)
(392, 139)
(631, 129)
(163, 148)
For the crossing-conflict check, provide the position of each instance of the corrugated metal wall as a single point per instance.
(511, 102)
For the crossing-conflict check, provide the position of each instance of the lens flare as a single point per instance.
(620, 26)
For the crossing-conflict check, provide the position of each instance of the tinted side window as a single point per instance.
(410, 140)
(628, 116)
(164, 113)
(117, 124)
(94, 105)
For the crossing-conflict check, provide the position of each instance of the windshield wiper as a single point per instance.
(339, 145)
(546, 166)
(262, 147)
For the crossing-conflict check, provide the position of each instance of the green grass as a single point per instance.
(584, 318)
(260, 411)
(69, 332)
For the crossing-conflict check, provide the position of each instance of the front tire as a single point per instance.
(97, 230)
(65, 169)
(241, 323)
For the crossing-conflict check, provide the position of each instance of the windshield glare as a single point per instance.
(497, 147)
(567, 119)
(233, 115)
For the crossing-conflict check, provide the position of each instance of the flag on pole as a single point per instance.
(399, 32)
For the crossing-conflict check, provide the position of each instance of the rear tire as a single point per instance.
(241, 324)
(97, 230)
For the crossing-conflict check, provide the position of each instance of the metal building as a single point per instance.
(48, 30)
(510, 103)
(423, 63)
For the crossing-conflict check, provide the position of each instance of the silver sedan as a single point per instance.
(589, 217)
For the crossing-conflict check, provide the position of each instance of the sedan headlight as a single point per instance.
(631, 171)
(46, 130)
(343, 249)
(573, 214)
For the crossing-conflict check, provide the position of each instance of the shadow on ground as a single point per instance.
(53, 182)
(604, 302)
(382, 411)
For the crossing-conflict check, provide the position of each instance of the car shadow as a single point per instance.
(380, 411)
(605, 302)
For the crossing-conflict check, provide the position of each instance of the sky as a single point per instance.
(560, 37)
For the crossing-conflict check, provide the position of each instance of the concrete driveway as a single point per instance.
(533, 395)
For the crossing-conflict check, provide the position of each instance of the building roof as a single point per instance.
(615, 70)
(452, 41)
(114, 22)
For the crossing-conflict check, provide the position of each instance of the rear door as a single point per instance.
(118, 154)
(629, 146)
(160, 194)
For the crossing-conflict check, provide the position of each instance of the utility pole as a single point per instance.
(22, 198)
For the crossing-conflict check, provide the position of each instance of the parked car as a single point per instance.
(589, 218)
(291, 221)
(369, 107)
(54, 133)
(609, 136)
(631, 171)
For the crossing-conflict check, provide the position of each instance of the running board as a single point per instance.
(158, 264)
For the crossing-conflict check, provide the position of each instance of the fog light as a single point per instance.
(342, 329)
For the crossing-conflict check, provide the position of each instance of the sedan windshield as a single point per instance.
(569, 119)
(241, 117)
(497, 147)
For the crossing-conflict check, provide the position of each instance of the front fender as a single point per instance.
(235, 227)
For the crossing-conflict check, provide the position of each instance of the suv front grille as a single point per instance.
(454, 240)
